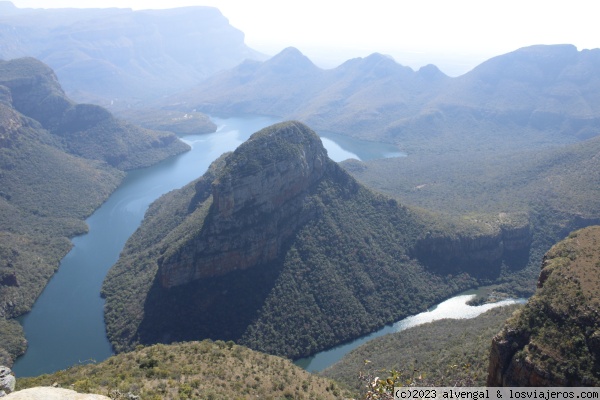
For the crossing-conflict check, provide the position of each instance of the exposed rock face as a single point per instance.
(7, 381)
(553, 340)
(501, 240)
(50, 393)
(257, 205)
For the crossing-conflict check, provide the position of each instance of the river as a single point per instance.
(456, 307)
(66, 325)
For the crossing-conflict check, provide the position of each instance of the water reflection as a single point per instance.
(454, 308)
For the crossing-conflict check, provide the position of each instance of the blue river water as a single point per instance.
(456, 307)
(66, 324)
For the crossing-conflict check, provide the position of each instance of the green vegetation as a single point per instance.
(196, 370)
(554, 339)
(13, 342)
(58, 162)
(440, 353)
(347, 273)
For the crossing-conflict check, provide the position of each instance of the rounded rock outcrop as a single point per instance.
(52, 393)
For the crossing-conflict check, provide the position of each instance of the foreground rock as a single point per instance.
(7, 381)
(50, 393)
(554, 340)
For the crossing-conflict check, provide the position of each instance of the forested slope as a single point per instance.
(58, 162)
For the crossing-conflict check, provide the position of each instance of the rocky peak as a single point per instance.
(290, 60)
(273, 166)
(35, 90)
(258, 203)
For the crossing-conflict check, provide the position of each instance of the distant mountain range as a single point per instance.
(120, 57)
(59, 161)
(532, 97)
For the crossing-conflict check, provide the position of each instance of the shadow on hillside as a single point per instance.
(215, 308)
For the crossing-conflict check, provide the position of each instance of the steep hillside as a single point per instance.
(532, 97)
(58, 162)
(207, 370)
(85, 130)
(554, 339)
(119, 57)
(278, 248)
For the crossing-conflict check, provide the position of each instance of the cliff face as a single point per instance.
(554, 339)
(257, 206)
(506, 238)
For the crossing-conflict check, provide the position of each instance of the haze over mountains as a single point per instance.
(116, 55)
(534, 96)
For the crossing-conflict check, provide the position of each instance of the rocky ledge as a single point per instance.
(555, 340)
(500, 238)
(257, 205)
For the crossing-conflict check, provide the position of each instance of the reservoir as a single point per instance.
(66, 325)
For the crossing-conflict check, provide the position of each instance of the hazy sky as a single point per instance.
(449, 33)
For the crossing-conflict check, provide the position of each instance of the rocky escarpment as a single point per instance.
(554, 340)
(503, 238)
(85, 130)
(257, 205)
(121, 57)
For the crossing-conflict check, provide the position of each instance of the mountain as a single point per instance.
(554, 340)
(535, 96)
(120, 57)
(277, 248)
(86, 130)
(58, 162)
(372, 91)
(207, 370)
